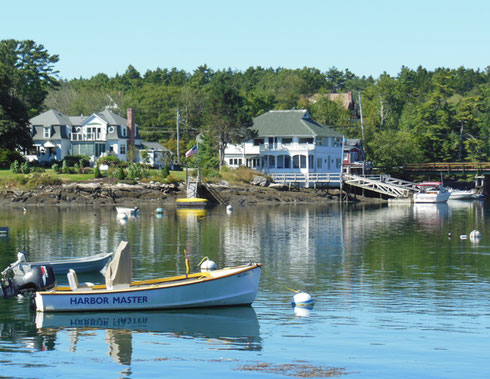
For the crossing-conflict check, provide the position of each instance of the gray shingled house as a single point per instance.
(56, 135)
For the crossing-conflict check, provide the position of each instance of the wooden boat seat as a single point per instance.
(73, 282)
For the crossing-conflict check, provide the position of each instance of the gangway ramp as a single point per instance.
(383, 184)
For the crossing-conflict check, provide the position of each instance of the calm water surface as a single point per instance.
(395, 297)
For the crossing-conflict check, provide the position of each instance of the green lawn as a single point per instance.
(9, 178)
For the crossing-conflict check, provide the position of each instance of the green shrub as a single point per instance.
(118, 173)
(135, 171)
(15, 167)
(97, 173)
(110, 160)
(80, 160)
(164, 172)
(56, 168)
(64, 168)
(25, 168)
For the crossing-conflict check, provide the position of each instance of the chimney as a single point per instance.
(131, 127)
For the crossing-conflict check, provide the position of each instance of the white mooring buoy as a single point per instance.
(302, 299)
(208, 265)
(475, 234)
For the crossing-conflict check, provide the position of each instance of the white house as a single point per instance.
(289, 141)
(56, 135)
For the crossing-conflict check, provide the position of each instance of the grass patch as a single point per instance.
(239, 175)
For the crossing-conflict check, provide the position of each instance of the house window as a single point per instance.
(311, 162)
(287, 141)
(337, 142)
(355, 156)
(239, 162)
(122, 149)
(47, 132)
(337, 162)
(258, 141)
(124, 131)
(287, 161)
(295, 161)
(280, 161)
(272, 161)
(319, 163)
(306, 140)
(303, 161)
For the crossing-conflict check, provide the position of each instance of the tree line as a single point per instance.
(415, 116)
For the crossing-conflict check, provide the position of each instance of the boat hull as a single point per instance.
(127, 211)
(80, 265)
(440, 197)
(234, 286)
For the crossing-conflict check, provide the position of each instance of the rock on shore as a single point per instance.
(153, 192)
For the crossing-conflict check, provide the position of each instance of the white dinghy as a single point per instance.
(229, 286)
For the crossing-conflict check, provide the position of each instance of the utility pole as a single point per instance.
(360, 112)
(178, 136)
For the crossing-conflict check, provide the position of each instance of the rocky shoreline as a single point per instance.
(100, 193)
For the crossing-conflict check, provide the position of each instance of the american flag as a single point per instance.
(191, 152)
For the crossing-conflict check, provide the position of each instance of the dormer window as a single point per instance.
(124, 131)
(47, 132)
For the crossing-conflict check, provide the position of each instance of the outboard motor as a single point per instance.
(39, 278)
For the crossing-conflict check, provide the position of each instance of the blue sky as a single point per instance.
(367, 37)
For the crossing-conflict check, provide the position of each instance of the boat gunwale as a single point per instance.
(89, 259)
(150, 284)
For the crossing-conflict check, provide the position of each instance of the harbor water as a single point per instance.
(399, 293)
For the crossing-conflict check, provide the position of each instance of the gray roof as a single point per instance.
(53, 118)
(152, 146)
(58, 132)
(291, 123)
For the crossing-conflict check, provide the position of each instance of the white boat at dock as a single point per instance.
(431, 192)
(463, 194)
(127, 211)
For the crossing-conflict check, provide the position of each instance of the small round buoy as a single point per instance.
(302, 299)
(463, 237)
(475, 234)
(449, 235)
(159, 210)
(208, 265)
(229, 208)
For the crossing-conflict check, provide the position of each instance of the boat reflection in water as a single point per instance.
(230, 328)
(432, 216)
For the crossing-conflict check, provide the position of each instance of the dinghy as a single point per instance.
(94, 263)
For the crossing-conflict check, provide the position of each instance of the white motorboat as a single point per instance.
(463, 194)
(431, 192)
